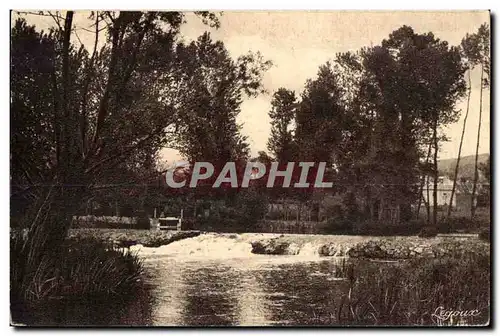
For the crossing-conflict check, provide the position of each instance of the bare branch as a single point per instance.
(56, 18)
(40, 13)
(122, 153)
(92, 31)
(78, 37)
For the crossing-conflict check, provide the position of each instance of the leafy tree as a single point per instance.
(427, 82)
(372, 113)
(281, 143)
(80, 102)
(471, 54)
(319, 116)
(478, 47)
(208, 130)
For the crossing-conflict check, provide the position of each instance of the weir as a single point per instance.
(227, 246)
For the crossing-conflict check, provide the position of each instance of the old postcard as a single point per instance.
(265, 168)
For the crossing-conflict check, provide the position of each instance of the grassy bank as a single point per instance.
(84, 270)
(417, 292)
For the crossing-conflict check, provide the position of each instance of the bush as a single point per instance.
(428, 232)
(372, 228)
(251, 207)
(127, 210)
(339, 226)
(461, 224)
(274, 214)
(485, 234)
(143, 222)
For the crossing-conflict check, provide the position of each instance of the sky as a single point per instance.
(298, 42)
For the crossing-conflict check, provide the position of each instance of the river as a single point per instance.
(210, 280)
(215, 280)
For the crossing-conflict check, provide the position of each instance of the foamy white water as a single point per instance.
(204, 246)
(228, 247)
(310, 249)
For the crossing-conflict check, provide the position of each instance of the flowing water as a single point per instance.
(216, 280)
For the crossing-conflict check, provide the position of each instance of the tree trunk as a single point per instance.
(436, 173)
(476, 175)
(422, 183)
(49, 218)
(117, 209)
(428, 202)
(455, 176)
(381, 209)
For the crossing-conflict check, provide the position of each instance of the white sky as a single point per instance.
(298, 42)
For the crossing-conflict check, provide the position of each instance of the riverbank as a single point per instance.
(287, 282)
(396, 247)
(129, 237)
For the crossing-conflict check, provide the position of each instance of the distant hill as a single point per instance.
(466, 168)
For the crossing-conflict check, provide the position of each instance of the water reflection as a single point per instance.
(210, 296)
(245, 292)
(136, 310)
(253, 291)
(301, 294)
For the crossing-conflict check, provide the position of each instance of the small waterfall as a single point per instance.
(310, 249)
(209, 245)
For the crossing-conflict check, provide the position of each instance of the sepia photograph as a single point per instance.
(250, 168)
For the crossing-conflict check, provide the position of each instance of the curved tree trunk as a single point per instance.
(476, 175)
(455, 176)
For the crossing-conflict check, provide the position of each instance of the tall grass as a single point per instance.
(413, 293)
(87, 268)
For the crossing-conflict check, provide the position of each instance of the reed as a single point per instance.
(87, 268)
(413, 293)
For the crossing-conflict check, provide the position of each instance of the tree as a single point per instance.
(318, 117)
(433, 79)
(485, 168)
(470, 55)
(407, 90)
(281, 143)
(82, 107)
(208, 130)
(210, 101)
(372, 115)
(479, 46)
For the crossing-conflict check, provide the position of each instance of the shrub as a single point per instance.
(143, 222)
(463, 223)
(127, 210)
(274, 214)
(337, 225)
(428, 232)
(485, 234)
(251, 207)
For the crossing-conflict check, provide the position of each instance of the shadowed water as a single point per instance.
(215, 281)
(266, 290)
